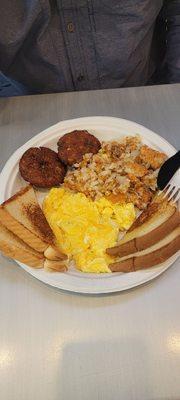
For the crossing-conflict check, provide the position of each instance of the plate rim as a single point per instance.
(157, 269)
(63, 125)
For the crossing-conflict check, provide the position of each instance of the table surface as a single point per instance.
(58, 346)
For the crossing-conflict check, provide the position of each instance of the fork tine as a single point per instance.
(167, 190)
(176, 196)
(173, 193)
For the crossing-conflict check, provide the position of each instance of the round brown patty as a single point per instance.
(73, 145)
(41, 167)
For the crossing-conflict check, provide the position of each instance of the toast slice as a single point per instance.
(157, 221)
(52, 253)
(13, 247)
(55, 266)
(22, 215)
(151, 256)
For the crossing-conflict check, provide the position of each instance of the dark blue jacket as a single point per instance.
(66, 45)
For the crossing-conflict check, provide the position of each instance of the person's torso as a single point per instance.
(69, 45)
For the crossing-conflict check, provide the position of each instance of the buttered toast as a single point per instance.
(151, 256)
(22, 215)
(13, 247)
(156, 222)
(55, 266)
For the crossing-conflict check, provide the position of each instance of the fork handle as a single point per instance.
(167, 170)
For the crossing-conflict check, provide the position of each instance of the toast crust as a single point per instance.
(18, 254)
(123, 266)
(145, 216)
(158, 256)
(147, 240)
(21, 231)
(56, 266)
(16, 195)
(149, 221)
(38, 220)
(147, 260)
(159, 233)
(54, 254)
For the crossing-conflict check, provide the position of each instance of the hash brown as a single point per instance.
(124, 169)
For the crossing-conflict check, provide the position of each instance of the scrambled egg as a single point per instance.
(85, 228)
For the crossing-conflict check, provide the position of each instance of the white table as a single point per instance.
(60, 346)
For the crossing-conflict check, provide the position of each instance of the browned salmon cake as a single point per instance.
(73, 145)
(41, 167)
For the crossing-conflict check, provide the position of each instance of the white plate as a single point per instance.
(105, 128)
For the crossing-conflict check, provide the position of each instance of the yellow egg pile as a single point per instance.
(85, 228)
